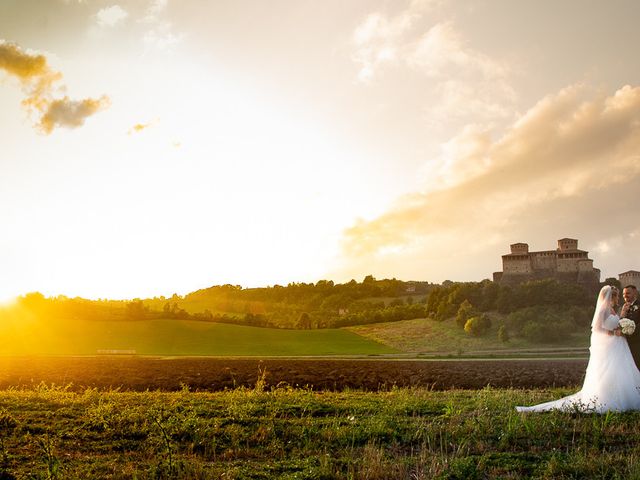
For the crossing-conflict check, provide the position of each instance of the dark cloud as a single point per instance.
(38, 81)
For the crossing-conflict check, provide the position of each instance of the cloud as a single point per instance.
(464, 81)
(379, 38)
(38, 81)
(160, 32)
(111, 16)
(442, 49)
(70, 113)
(562, 169)
(20, 64)
(162, 36)
(469, 82)
(139, 127)
(155, 9)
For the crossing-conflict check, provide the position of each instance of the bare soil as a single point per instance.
(215, 374)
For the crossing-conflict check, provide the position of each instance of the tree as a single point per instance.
(504, 302)
(465, 312)
(135, 310)
(614, 282)
(304, 321)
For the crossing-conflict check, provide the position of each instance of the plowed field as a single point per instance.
(213, 374)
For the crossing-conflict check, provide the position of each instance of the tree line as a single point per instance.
(543, 310)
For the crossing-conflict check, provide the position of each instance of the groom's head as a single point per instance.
(630, 293)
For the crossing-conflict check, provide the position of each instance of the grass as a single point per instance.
(180, 337)
(430, 336)
(51, 432)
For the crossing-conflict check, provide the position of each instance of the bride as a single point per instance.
(612, 380)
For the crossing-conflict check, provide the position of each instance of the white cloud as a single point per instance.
(161, 36)
(112, 16)
(155, 9)
(378, 38)
(441, 51)
(464, 83)
(160, 32)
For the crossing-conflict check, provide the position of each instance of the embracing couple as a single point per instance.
(612, 380)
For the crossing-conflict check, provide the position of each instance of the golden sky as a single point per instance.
(160, 146)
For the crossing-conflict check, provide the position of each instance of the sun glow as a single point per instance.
(7, 301)
(258, 193)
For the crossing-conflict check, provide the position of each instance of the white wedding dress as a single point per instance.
(612, 380)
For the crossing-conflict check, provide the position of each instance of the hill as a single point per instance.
(445, 337)
(461, 317)
(177, 337)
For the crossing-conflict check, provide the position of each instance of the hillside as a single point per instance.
(445, 337)
(323, 304)
(177, 337)
(304, 319)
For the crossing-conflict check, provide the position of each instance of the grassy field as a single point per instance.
(430, 336)
(188, 337)
(52, 433)
(178, 337)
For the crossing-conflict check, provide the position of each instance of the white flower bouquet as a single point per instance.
(628, 326)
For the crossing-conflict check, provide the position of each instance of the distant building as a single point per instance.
(632, 277)
(566, 264)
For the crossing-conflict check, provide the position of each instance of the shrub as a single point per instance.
(503, 334)
(535, 331)
(581, 316)
(477, 326)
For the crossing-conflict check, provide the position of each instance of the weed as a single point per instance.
(46, 445)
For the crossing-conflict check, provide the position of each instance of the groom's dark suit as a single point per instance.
(633, 313)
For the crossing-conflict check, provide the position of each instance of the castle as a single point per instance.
(566, 264)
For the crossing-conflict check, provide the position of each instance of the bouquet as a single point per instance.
(628, 326)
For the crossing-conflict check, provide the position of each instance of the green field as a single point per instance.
(52, 433)
(178, 337)
(431, 336)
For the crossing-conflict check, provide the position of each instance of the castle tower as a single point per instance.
(632, 277)
(520, 248)
(566, 244)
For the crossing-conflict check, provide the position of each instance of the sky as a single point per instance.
(152, 147)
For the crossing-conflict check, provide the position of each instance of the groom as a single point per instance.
(631, 310)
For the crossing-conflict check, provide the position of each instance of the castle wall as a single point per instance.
(567, 265)
(585, 265)
(543, 260)
(517, 265)
(569, 262)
